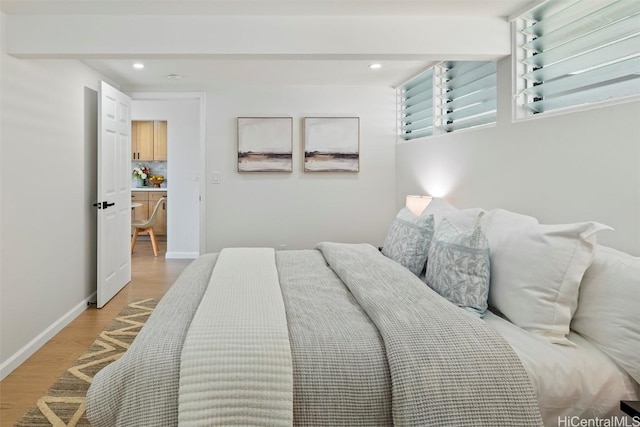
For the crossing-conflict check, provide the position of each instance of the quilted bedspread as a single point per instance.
(369, 344)
(448, 368)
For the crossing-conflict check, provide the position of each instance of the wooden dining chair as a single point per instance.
(146, 226)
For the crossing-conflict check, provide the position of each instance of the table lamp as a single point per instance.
(417, 204)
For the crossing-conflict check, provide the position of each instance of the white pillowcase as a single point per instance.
(460, 218)
(608, 311)
(536, 270)
(438, 208)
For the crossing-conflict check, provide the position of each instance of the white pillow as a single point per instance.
(438, 207)
(608, 311)
(536, 270)
(460, 218)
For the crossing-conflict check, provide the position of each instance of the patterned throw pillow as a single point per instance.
(408, 240)
(458, 267)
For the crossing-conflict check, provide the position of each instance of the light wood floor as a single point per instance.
(151, 277)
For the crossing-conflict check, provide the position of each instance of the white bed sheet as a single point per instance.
(569, 381)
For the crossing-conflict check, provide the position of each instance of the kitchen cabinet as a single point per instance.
(149, 140)
(148, 200)
(160, 140)
(140, 213)
(161, 224)
(142, 133)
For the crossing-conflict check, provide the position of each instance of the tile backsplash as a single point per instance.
(155, 168)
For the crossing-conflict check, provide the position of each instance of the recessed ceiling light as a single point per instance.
(174, 76)
(138, 65)
(375, 66)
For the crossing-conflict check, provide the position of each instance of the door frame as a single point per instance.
(201, 97)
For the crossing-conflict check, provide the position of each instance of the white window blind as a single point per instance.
(578, 52)
(468, 94)
(416, 107)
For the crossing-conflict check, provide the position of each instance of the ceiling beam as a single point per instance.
(287, 37)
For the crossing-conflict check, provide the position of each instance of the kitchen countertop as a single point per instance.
(149, 189)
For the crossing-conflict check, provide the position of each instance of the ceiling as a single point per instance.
(268, 7)
(198, 73)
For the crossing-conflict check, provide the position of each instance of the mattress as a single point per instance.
(577, 380)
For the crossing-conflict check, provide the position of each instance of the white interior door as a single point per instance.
(114, 192)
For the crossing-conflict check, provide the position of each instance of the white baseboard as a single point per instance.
(182, 255)
(34, 345)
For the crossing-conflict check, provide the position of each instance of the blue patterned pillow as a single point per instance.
(408, 240)
(458, 267)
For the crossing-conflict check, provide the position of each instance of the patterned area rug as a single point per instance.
(63, 404)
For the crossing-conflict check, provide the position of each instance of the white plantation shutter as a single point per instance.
(578, 52)
(468, 94)
(416, 107)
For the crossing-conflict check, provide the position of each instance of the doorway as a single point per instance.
(184, 114)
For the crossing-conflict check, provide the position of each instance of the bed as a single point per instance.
(346, 335)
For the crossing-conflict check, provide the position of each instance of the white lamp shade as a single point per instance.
(417, 204)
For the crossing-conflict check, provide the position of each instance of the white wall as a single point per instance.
(48, 184)
(564, 168)
(48, 266)
(299, 209)
(183, 138)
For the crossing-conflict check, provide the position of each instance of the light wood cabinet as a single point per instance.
(149, 140)
(160, 140)
(148, 199)
(142, 140)
(140, 213)
(161, 223)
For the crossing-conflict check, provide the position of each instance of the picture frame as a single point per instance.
(331, 144)
(265, 144)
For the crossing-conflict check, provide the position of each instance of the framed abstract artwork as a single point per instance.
(331, 144)
(265, 144)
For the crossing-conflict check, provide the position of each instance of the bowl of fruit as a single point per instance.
(156, 180)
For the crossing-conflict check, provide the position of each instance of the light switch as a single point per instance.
(215, 177)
